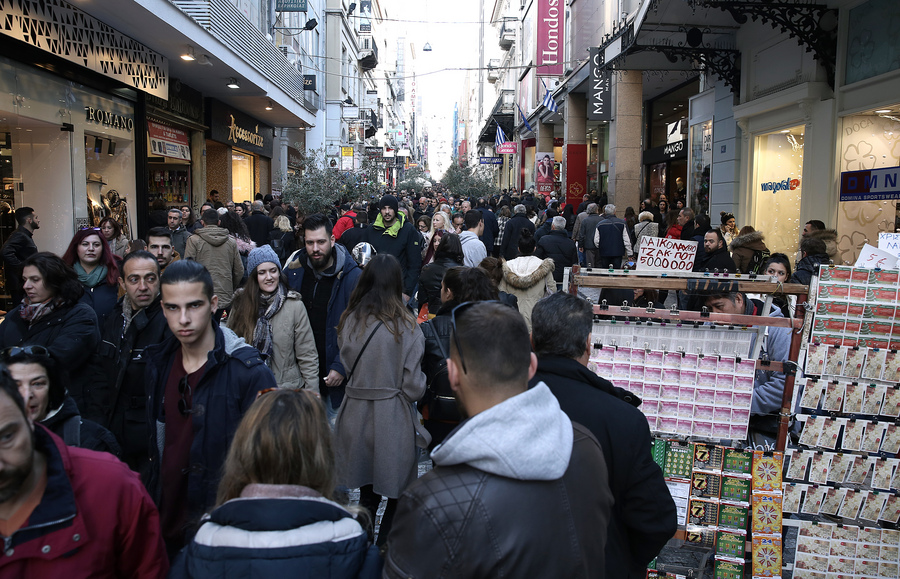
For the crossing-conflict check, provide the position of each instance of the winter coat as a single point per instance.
(352, 237)
(611, 237)
(279, 531)
(89, 435)
(509, 246)
(491, 228)
(542, 230)
(283, 242)
(643, 516)
(674, 232)
(768, 385)
(118, 395)
(529, 278)
(232, 379)
(808, 267)
(744, 247)
(294, 360)
(501, 227)
(94, 520)
(345, 222)
(375, 429)
(258, 226)
(212, 247)
(179, 239)
(119, 246)
(534, 502)
(439, 399)
(430, 282)
(405, 245)
(719, 259)
(69, 333)
(830, 237)
(473, 249)
(102, 298)
(557, 246)
(19, 247)
(588, 228)
(644, 229)
(347, 274)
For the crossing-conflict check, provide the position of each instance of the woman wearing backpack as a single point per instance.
(748, 250)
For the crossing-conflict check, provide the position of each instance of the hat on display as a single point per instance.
(96, 178)
(389, 201)
(363, 253)
(262, 255)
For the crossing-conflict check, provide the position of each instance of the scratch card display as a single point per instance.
(766, 560)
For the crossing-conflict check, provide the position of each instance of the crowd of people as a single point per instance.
(201, 402)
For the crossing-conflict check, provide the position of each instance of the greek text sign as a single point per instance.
(507, 148)
(889, 242)
(660, 254)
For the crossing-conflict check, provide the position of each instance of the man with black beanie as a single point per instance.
(392, 233)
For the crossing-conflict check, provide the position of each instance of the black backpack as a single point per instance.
(759, 259)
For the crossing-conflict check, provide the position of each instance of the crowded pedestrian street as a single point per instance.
(496, 288)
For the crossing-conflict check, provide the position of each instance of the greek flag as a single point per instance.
(524, 120)
(500, 138)
(549, 103)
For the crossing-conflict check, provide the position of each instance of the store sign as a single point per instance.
(600, 102)
(232, 127)
(666, 153)
(508, 148)
(776, 186)
(669, 255)
(309, 82)
(294, 158)
(290, 6)
(490, 160)
(184, 102)
(109, 119)
(346, 151)
(870, 185)
(168, 141)
(550, 36)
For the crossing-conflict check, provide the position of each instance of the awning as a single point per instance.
(502, 114)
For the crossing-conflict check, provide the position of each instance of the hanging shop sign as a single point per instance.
(490, 160)
(507, 148)
(665, 153)
(168, 141)
(309, 82)
(550, 37)
(290, 6)
(669, 255)
(109, 119)
(294, 158)
(870, 185)
(184, 102)
(232, 127)
(600, 102)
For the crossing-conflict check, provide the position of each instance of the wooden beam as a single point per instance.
(672, 283)
(691, 316)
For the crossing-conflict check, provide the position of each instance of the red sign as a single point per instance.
(575, 157)
(550, 35)
(507, 148)
(166, 141)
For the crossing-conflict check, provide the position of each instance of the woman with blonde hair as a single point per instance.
(275, 514)
(282, 237)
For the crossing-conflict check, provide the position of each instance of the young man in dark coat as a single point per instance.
(509, 247)
(559, 247)
(392, 233)
(643, 516)
(491, 226)
(17, 249)
(814, 253)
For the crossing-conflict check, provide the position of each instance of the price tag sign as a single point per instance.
(660, 254)
(874, 258)
(889, 242)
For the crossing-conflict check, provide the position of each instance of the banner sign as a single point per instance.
(550, 35)
(490, 160)
(874, 258)
(290, 5)
(168, 141)
(508, 148)
(600, 102)
(870, 185)
(544, 172)
(661, 254)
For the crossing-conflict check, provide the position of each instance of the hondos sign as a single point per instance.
(660, 254)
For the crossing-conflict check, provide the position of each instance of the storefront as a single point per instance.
(238, 153)
(665, 158)
(777, 185)
(597, 140)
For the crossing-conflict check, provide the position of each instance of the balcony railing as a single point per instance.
(507, 33)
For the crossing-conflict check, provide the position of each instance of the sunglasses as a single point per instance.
(455, 313)
(14, 351)
(185, 404)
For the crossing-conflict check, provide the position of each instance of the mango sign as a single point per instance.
(660, 254)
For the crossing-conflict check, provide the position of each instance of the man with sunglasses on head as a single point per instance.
(518, 489)
(200, 383)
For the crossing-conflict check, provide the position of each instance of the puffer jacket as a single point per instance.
(89, 435)
(430, 282)
(535, 502)
(294, 360)
(232, 378)
(743, 248)
(830, 237)
(279, 531)
(214, 249)
(71, 335)
(528, 278)
(808, 267)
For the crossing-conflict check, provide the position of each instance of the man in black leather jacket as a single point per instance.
(643, 517)
(518, 490)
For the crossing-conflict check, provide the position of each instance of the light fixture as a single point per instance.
(427, 47)
(233, 83)
(882, 111)
(189, 55)
(111, 150)
(269, 106)
(310, 24)
(785, 131)
(204, 60)
(351, 8)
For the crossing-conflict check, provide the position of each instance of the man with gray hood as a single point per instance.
(516, 481)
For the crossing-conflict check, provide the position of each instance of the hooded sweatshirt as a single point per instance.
(492, 440)
(212, 247)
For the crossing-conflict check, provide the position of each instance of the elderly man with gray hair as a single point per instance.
(584, 234)
(509, 247)
(611, 239)
(557, 246)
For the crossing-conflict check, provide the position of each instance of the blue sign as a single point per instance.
(490, 160)
(870, 185)
(290, 6)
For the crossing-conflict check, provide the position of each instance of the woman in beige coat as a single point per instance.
(377, 427)
(527, 277)
(273, 319)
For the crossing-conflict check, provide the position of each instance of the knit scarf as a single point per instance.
(31, 313)
(269, 305)
(92, 279)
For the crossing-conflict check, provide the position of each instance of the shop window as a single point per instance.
(242, 175)
(701, 166)
(777, 188)
(873, 46)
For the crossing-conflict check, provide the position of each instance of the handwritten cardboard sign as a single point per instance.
(872, 258)
(889, 242)
(660, 254)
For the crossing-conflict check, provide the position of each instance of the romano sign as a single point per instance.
(232, 127)
(550, 37)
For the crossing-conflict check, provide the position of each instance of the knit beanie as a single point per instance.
(262, 255)
(389, 201)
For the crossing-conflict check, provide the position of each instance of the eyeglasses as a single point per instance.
(185, 405)
(456, 312)
(14, 351)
